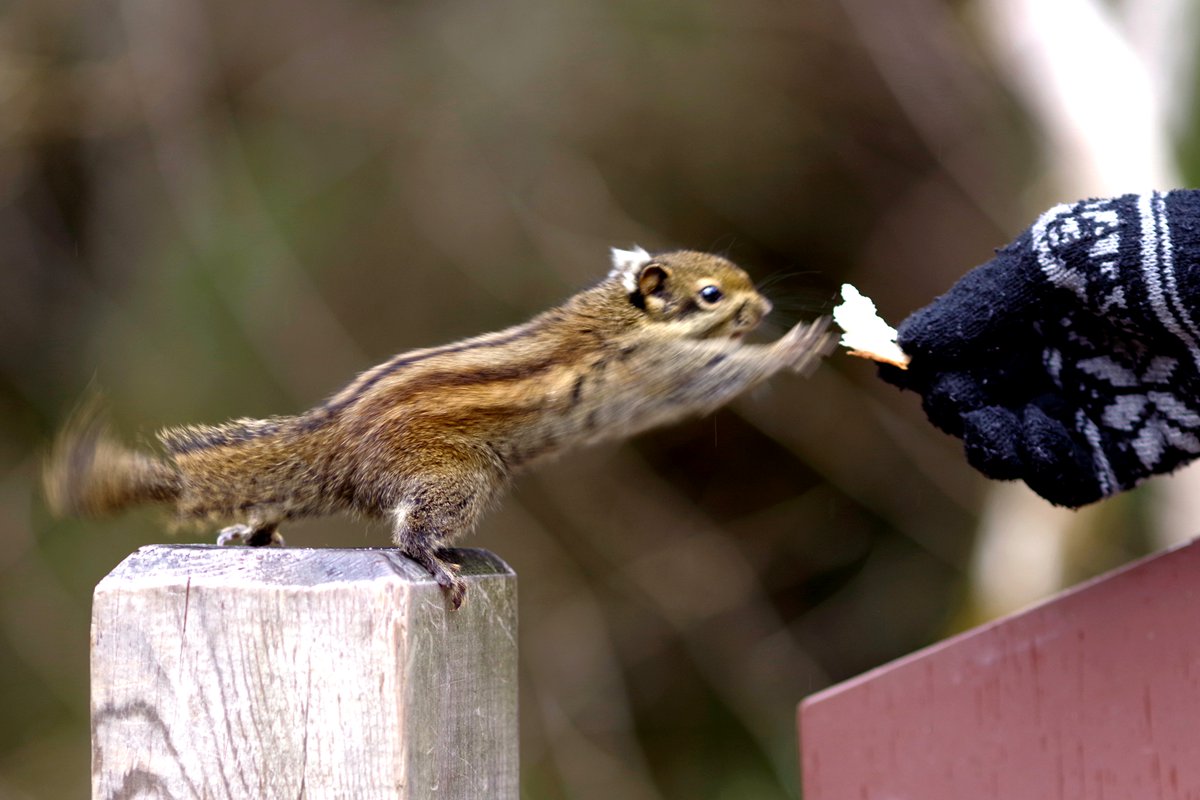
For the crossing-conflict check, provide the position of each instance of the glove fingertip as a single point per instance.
(1058, 464)
(952, 397)
(991, 439)
(901, 378)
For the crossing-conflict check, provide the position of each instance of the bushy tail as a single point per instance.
(89, 474)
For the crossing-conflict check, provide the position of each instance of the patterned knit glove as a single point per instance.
(1071, 360)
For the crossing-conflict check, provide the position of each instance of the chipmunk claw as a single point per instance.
(251, 536)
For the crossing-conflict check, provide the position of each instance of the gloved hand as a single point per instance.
(1071, 360)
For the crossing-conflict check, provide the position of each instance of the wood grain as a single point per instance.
(298, 673)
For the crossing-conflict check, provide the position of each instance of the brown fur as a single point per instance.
(432, 437)
(88, 474)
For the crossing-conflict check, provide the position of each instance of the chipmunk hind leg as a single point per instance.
(436, 511)
(257, 531)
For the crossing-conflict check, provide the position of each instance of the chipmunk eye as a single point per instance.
(711, 294)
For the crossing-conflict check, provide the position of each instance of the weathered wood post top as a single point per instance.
(222, 672)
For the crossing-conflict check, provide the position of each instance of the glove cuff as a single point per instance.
(1132, 260)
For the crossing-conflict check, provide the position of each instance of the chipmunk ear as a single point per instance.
(626, 266)
(651, 279)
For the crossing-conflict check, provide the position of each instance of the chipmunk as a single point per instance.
(429, 439)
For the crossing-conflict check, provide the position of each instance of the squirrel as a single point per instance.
(430, 439)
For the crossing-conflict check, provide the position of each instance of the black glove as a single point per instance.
(1071, 360)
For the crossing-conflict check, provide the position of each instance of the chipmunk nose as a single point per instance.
(751, 313)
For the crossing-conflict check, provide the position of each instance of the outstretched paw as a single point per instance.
(806, 345)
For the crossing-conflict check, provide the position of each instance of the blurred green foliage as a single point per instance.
(215, 208)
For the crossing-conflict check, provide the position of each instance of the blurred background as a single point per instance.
(215, 208)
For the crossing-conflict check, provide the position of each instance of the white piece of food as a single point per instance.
(865, 334)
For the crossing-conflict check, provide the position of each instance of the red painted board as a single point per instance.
(1093, 694)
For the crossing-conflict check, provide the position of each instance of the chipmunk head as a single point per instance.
(698, 295)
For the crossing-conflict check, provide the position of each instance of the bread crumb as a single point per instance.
(865, 334)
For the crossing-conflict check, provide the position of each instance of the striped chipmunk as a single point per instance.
(431, 438)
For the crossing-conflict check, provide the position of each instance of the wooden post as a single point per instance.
(1093, 693)
(224, 672)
